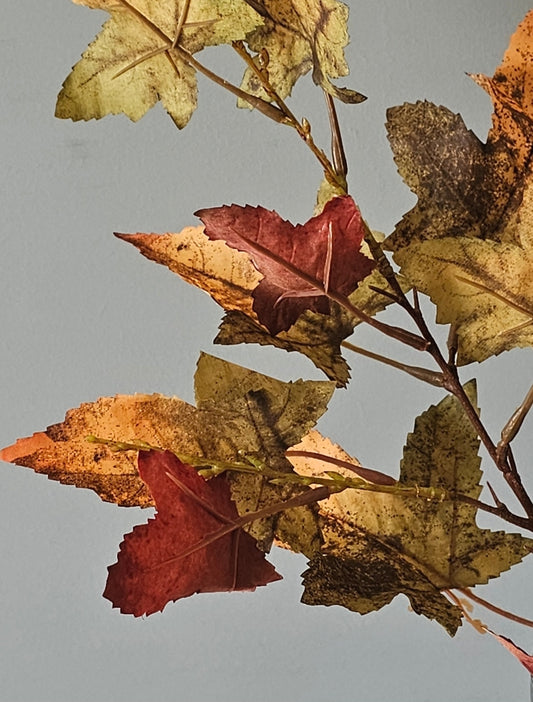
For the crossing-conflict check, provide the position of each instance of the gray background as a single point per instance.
(83, 315)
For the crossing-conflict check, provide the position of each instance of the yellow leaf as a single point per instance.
(484, 288)
(131, 65)
(300, 35)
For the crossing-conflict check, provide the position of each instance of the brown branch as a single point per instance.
(493, 608)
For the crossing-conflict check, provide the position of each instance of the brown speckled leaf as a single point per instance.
(377, 545)
(466, 187)
(463, 187)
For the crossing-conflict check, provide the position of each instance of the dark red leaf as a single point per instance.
(322, 254)
(151, 569)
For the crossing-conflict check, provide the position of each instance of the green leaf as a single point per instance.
(262, 417)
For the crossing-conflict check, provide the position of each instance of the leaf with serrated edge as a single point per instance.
(93, 89)
(484, 288)
(150, 570)
(279, 413)
(464, 188)
(379, 545)
(234, 421)
(300, 35)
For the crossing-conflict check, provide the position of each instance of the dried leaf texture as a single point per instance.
(230, 277)
(297, 261)
(379, 545)
(467, 242)
(63, 452)
(300, 35)
(136, 30)
(249, 412)
(171, 557)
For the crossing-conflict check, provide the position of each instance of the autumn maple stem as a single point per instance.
(501, 457)
(453, 384)
(303, 128)
(493, 608)
(432, 377)
(306, 497)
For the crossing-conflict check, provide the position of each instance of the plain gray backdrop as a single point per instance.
(83, 315)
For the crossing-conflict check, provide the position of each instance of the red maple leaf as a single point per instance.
(172, 555)
(300, 263)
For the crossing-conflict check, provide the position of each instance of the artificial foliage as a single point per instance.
(244, 469)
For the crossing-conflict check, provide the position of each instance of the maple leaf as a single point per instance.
(131, 64)
(467, 242)
(258, 414)
(377, 545)
(162, 561)
(483, 287)
(466, 187)
(297, 36)
(230, 278)
(463, 187)
(300, 263)
(264, 416)
(511, 91)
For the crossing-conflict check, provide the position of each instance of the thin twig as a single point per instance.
(428, 376)
(337, 147)
(493, 608)
(514, 423)
(303, 128)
